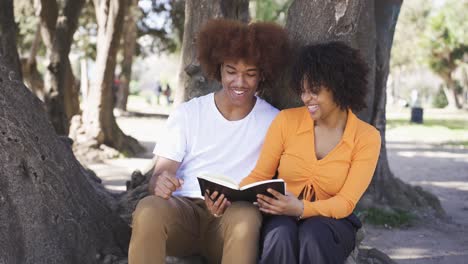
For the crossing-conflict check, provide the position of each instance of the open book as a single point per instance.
(233, 192)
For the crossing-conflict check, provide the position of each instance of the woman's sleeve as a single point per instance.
(270, 154)
(360, 174)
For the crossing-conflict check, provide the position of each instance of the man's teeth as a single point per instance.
(312, 107)
(239, 92)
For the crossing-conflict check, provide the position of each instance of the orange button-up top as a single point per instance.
(337, 181)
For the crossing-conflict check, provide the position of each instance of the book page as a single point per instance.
(220, 179)
(260, 183)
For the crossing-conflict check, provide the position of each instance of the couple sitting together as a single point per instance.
(322, 150)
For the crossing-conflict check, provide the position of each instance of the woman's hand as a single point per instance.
(283, 204)
(218, 206)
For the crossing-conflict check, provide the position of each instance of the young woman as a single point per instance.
(325, 154)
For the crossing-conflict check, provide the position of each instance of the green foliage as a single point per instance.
(27, 22)
(440, 100)
(270, 10)
(407, 48)
(85, 37)
(462, 143)
(387, 218)
(160, 28)
(447, 36)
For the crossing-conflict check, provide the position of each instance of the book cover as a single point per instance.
(230, 189)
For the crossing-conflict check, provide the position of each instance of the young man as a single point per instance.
(221, 132)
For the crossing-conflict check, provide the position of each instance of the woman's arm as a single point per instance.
(359, 177)
(272, 148)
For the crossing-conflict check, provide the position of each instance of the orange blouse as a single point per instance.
(337, 181)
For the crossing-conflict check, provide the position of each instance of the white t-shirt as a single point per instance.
(198, 136)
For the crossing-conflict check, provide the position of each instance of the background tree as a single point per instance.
(446, 39)
(191, 82)
(58, 26)
(8, 32)
(129, 38)
(98, 125)
(29, 45)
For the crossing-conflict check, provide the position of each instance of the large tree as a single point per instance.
(51, 209)
(98, 125)
(8, 32)
(191, 82)
(58, 26)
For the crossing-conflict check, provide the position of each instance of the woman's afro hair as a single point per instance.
(262, 44)
(334, 66)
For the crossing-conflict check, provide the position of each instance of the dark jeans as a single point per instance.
(314, 240)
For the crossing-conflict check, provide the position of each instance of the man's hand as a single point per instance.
(283, 204)
(163, 182)
(218, 206)
(166, 184)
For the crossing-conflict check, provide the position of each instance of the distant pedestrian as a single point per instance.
(168, 93)
(157, 91)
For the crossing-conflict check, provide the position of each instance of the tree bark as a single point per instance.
(191, 82)
(368, 26)
(8, 32)
(99, 125)
(450, 91)
(61, 91)
(129, 45)
(51, 209)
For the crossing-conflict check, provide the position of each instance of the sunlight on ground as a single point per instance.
(115, 172)
(420, 253)
(409, 253)
(435, 134)
(463, 157)
(457, 185)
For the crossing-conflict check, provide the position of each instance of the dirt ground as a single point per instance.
(418, 161)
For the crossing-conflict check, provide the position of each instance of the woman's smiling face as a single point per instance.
(319, 101)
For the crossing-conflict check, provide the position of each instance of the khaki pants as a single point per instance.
(184, 227)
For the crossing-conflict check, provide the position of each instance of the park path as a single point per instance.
(440, 170)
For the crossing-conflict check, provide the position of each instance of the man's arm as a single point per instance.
(163, 182)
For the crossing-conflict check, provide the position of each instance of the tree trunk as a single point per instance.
(368, 26)
(191, 82)
(8, 32)
(51, 209)
(84, 81)
(450, 91)
(31, 76)
(99, 125)
(129, 44)
(61, 91)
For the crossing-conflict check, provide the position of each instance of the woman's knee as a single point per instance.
(315, 231)
(280, 229)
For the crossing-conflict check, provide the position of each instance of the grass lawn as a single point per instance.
(439, 127)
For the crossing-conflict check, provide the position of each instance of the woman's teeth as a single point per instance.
(239, 92)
